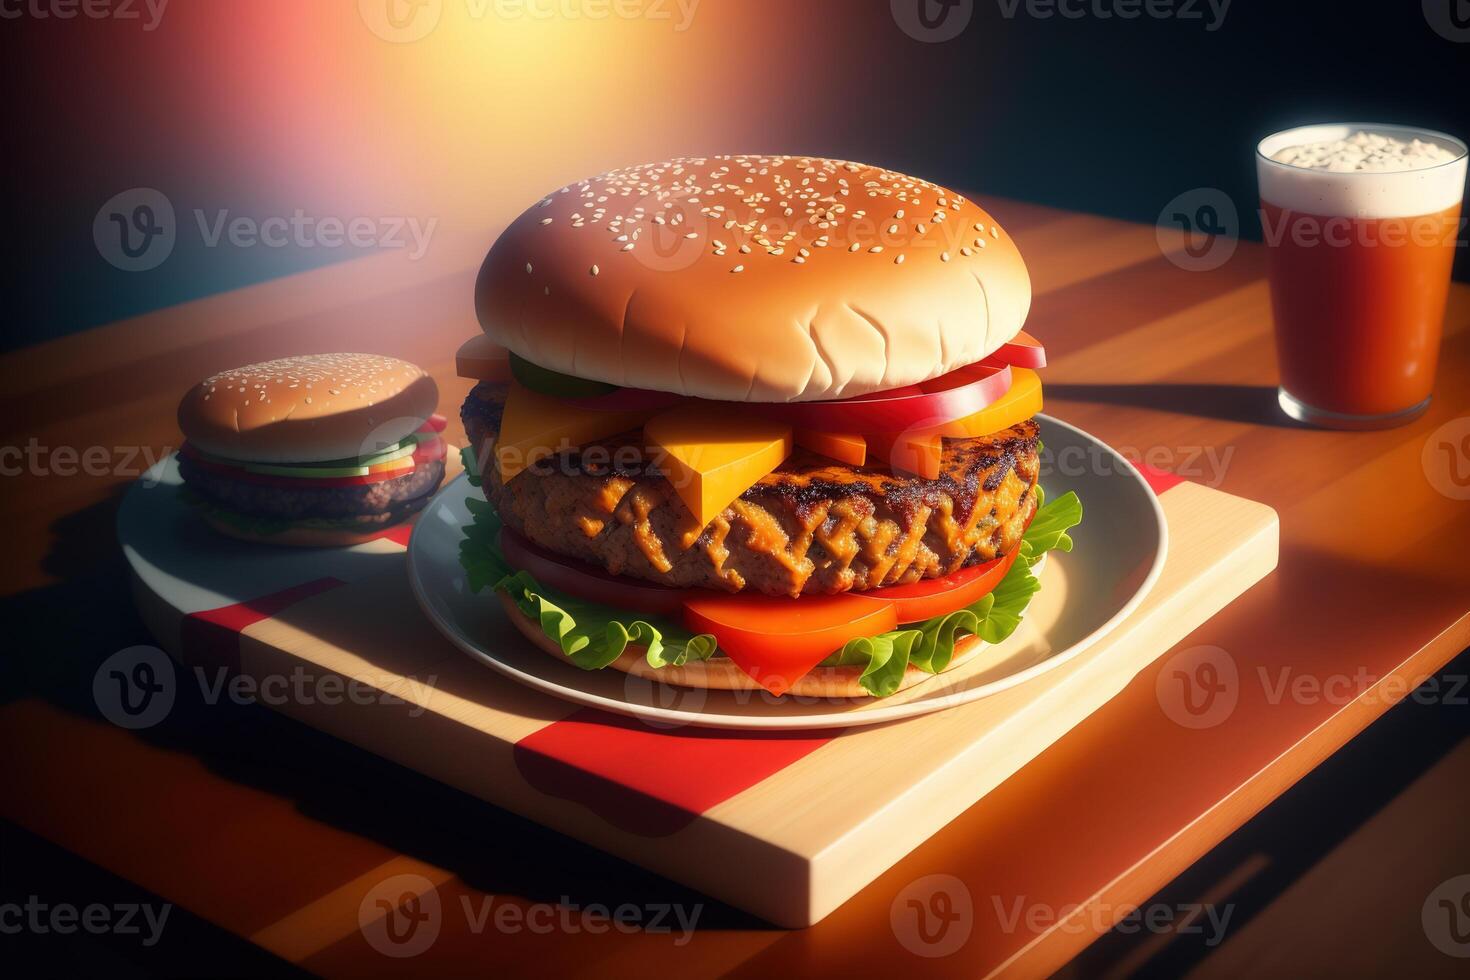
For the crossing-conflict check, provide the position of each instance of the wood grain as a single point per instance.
(806, 834)
(1147, 356)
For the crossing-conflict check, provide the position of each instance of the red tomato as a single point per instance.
(429, 451)
(434, 423)
(583, 581)
(962, 392)
(937, 596)
(1024, 351)
(957, 394)
(777, 640)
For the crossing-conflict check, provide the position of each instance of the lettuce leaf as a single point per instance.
(930, 645)
(593, 635)
(471, 467)
(590, 634)
(1048, 530)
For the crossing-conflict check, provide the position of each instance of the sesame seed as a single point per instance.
(528, 268)
(875, 249)
(738, 268)
(854, 247)
(994, 232)
(899, 260)
(944, 256)
(594, 270)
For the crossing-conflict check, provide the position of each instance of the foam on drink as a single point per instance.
(1361, 171)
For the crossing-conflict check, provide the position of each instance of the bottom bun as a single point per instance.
(719, 673)
(311, 535)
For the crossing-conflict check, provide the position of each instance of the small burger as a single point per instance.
(754, 422)
(323, 450)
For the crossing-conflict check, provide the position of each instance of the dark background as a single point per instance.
(1094, 113)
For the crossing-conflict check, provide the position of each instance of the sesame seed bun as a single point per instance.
(754, 278)
(307, 409)
(720, 673)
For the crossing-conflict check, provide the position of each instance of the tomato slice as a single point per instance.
(920, 450)
(583, 581)
(957, 394)
(777, 640)
(1024, 351)
(434, 423)
(938, 596)
(429, 451)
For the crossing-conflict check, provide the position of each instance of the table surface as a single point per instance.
(275, 834)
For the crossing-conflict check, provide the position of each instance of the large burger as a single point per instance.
(758, 422)
(322, 450)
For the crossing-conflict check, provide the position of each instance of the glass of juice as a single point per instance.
(1361, 221)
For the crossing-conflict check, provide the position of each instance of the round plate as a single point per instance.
(1119, 553)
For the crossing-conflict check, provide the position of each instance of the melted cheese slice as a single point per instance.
(921, 451)
(712, 456)
(535, 426)
(845, 447)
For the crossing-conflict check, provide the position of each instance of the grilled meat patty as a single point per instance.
(811, 526)
(374, 502)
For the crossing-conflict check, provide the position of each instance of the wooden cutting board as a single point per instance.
(787, 825)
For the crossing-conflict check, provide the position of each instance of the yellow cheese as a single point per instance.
(712, 455)
(845, 447)
(921, 451)
(535, 425)
(1022, 401)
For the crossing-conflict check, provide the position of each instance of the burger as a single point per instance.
(758, 422)
(323, 450)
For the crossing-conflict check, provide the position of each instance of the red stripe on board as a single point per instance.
(213, 636)
(650, 781)
(398, 534)
(1158, 480)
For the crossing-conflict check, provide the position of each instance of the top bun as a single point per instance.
(308, 409)
(754, 278)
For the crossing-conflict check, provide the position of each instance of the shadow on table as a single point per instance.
(1251, 404)
(66, 630)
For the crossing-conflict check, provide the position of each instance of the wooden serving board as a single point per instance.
(787, 825)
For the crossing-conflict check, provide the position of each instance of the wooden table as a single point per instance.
(274, 833)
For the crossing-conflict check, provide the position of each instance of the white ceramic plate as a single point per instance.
(1119, 554)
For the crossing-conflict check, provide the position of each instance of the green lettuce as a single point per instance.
(593, 635)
